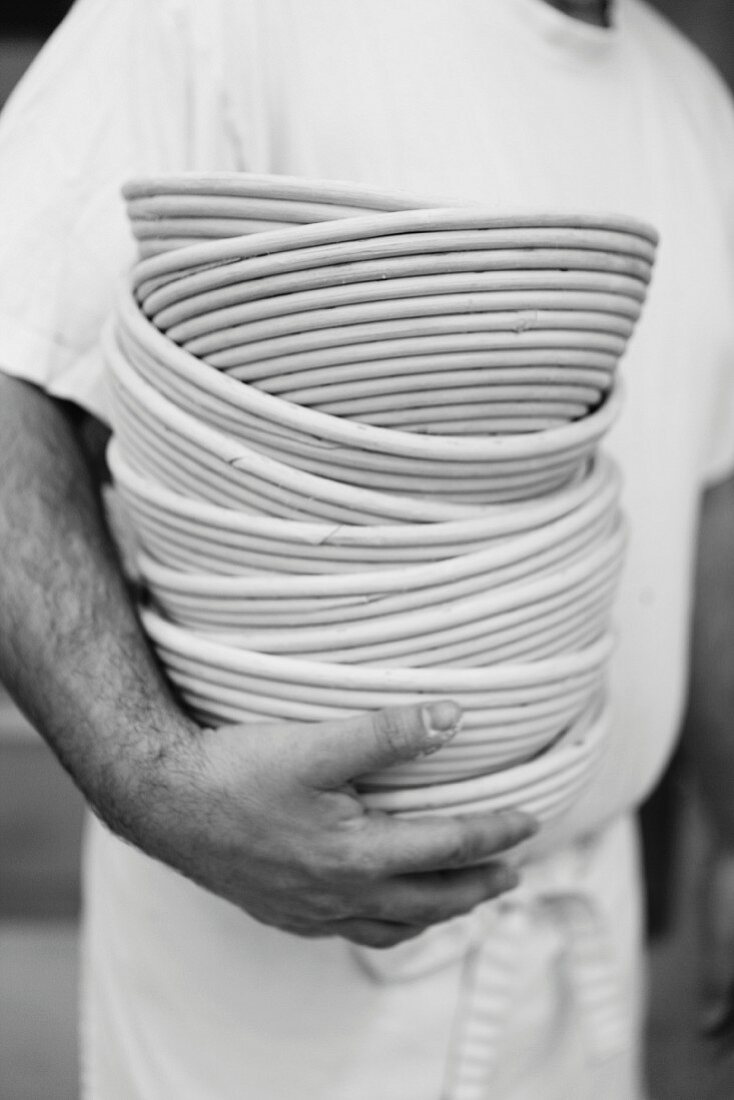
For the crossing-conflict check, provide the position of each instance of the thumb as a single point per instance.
(342, 751)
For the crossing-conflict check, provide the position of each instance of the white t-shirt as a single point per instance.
(504, 101)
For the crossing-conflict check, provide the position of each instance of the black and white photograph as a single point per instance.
(367, 550)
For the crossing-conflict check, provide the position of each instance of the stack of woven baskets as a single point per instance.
(361, 457)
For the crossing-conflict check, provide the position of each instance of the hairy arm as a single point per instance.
(71, 650)
(264, 816)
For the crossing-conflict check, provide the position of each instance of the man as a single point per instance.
(512, 102)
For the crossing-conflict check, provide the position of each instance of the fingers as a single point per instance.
(339, 752)
(374, 933)
(426, 871)
(444, 843)
(423, 900)
(402, 908)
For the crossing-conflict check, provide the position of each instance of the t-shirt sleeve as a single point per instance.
(115, 93)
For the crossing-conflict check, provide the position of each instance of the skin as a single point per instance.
(263, 815)
(266, 817)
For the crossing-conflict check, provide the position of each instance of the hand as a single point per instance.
(266, 817)
(263, 815)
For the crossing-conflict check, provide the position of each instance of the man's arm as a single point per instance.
(264, 816)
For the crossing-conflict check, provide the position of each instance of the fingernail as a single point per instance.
(441, 722)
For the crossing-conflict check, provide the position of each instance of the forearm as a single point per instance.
(264, 814)
(709, 733)
(71, 649)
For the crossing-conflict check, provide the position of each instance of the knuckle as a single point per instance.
(367, 865)
(331, 877)
(463, 845)
(393, 729)
(323, 863)
(326, 909)
(477, 838)
(360, 860)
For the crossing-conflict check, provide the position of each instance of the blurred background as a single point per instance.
(41, 812)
